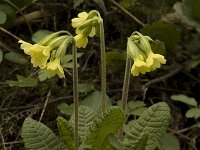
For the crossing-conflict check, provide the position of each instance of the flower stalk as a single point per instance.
(125, 90)
(103, 67)
(75, 95)
(126, 83)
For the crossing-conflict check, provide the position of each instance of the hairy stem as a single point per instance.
(103, 67)
(125, 90)
(75, 95)
(126, 83)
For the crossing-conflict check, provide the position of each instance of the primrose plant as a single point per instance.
(86, 129)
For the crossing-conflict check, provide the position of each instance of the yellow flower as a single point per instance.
(81, 40)
(132, 49)
(76, 22)
(139, 66)
(155, 60)
(54, 67)
(91, 31)
(39, 54)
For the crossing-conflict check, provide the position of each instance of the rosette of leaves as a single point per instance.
(188, 10)
(94, 131)
(97, 132)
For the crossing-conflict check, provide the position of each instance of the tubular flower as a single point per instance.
(39, 54)
(139, 66)
(139, 49)
(90, 30)
(155, 60)
(87, 25)
(76, 22)
(54, 68)
(81, 40)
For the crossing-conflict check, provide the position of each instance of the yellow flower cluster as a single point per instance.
(86, 25)
(43, 54)
(139, 49)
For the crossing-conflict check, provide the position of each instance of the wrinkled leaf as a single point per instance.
(154, 122)
(38, 136)
(66, 132)
(184, 99)
(169, 142)
(86, 117)
(13, 57)
(40, 34)
(108, 123)
(22, 82)
(193, 113)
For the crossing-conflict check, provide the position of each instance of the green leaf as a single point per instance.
(163, 32)
(108, 123)
(22, 82)
(66, 60)
(114, 142)
(136, 108)
(94, 101)
(169, 142)
(37, 136)
(63, 108)
(13, 57)
(184, 99)
(3, 17)
(1, 55)
(66, 132)
(193, 113)
(158, 47)
(42, 75)
(116, 60)
(40, 34)
(7, 16)
(188, 11)
(132, 105)
(138, 111)
(153, 122)
(142, 142)
(86, 117)
(85, 87)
